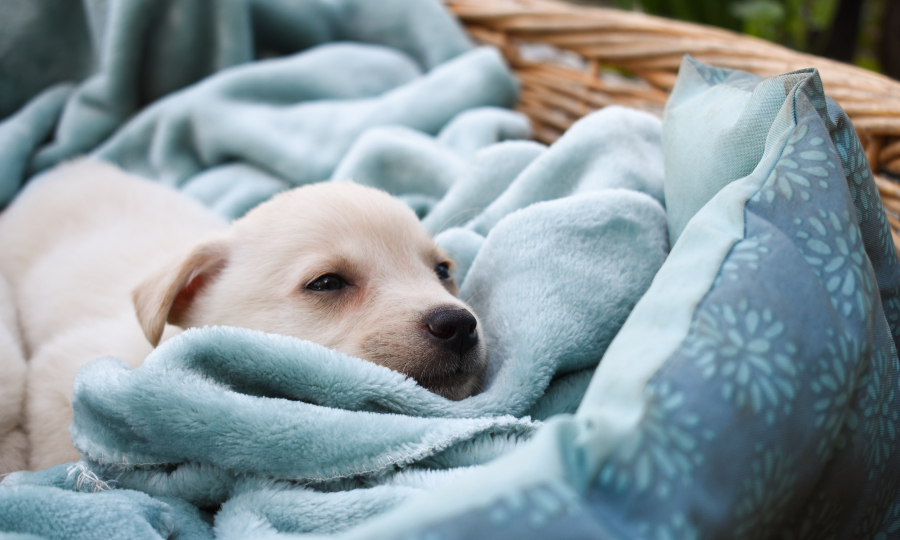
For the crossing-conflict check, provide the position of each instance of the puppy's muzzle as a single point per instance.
(452, 329)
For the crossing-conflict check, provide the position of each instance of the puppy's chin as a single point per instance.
(433, 368)
(451, 377)
(452, 386)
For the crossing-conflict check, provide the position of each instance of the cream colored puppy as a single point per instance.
(87, 246)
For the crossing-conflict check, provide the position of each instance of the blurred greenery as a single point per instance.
(803, 25)
(799, 24)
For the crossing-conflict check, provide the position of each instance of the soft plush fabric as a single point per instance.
(301, 131)
(487, 175)
(68, 501)
(236, 433)
(290, 436)
(125, 54)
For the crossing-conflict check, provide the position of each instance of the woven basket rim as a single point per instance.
(651, 48)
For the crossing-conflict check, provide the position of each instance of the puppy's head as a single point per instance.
(340, 264)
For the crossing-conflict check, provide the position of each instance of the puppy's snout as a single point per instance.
(453, 329)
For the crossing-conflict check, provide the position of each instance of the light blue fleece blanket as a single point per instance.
(290, 436)
(233, 433)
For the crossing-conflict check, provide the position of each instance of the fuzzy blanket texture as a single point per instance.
(748, 381)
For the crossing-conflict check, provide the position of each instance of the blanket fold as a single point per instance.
(213, 122)
(167, 413)
(124, 54)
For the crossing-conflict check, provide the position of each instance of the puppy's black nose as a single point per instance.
(453, 329)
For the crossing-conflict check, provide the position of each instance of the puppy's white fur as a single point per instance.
(13, 444)
(80, 241)
(75, 243)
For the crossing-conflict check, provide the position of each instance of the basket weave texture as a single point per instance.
(570, 60)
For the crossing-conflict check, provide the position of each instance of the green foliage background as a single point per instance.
(803, 25)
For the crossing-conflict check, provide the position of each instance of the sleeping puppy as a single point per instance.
(86, 246)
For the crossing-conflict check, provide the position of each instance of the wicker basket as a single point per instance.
(571, 59)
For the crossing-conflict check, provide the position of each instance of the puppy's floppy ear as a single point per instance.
(166, 295)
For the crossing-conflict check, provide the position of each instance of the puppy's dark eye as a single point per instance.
(442, 270)
(328, 282)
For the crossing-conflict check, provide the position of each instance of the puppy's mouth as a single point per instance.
(454, 386)
(457, 382)
(445, 380)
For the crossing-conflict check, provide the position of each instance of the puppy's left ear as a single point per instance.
(168, 294)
